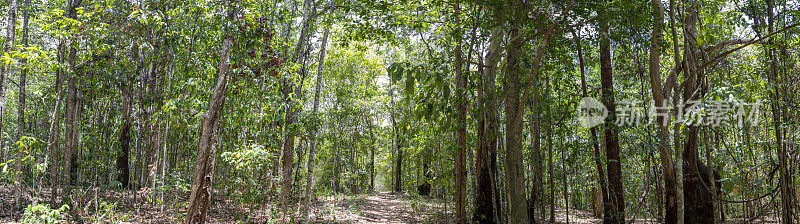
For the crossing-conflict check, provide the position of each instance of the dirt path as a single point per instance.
(380, 207)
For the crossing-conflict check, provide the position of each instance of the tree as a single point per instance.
(5, 69)
(21, 111)
(206, 154)
(486, 136)
(313, 144)
(461, 127)
(615, 190)
(659, 99)
(515, 178)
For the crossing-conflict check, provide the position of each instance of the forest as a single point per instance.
(400, 111)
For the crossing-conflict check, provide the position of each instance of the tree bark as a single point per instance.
(204, 165)
(398, 170)
(461, 129)
(615, 193)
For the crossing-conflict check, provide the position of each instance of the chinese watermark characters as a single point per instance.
(712, 113)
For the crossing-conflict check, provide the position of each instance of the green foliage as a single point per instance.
(43, 214)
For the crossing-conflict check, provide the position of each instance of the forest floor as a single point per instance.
(378, 207)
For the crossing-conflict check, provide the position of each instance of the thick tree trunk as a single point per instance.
(21, 111)
(314, 131)
(486, 136)
(615, 193)
(461, 130)
(206, 154)
(515, 177)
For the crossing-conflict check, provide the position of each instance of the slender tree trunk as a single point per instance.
(461, 129)
(123, 169)
(55, 127)
(5, 69)
(314, 131)
(785, 179)
(21, 111)
(550, 174)
(615, 193)
(204, 165)
(601, 176)
(398, 170)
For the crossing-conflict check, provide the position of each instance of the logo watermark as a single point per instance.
(591, 112)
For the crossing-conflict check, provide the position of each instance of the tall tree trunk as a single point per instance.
(550, 174)
(675, 215)
(785, 179)
(288, 90)
(486, 136)
(55, 127)
(206, 154)
(5, 69)
(68, 135)
(461, 129)
(314, 131)
(659, 101)
(601, 171)
(21, 110)
(515, 177)
(398, 170)
(615, 190)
